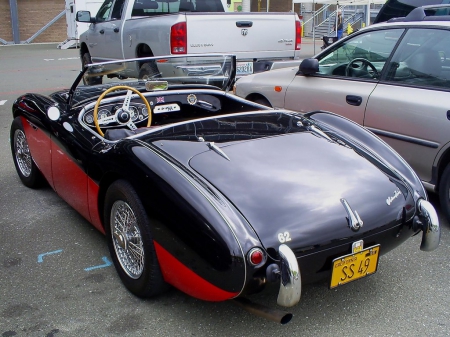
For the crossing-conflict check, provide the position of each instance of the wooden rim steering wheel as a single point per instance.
(124, 112)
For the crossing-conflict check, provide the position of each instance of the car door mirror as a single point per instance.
(309, 66)
(84, 16)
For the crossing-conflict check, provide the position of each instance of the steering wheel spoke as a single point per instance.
(123, 116)
(126, 102)
(131, 125)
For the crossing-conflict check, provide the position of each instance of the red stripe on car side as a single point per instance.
(181, 277)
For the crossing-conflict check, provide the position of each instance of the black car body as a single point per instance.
(218, 195)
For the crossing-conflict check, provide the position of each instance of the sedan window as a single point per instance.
(363, 56)
(422, 59)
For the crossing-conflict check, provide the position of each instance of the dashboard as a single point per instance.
(165, 109)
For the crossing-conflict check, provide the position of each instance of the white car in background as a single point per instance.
(393, 78)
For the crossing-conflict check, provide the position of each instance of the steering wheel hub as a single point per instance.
(123, 116)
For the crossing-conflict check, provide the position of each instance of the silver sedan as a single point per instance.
(393, 78)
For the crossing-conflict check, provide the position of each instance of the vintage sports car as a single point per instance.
(215, 195)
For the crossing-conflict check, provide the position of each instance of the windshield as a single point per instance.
(155, 73)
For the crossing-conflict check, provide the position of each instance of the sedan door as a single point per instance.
(410, 110)
(348, 74)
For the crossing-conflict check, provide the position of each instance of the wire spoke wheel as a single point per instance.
(22, 153)
(127, 239)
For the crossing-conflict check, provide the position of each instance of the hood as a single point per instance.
(293, 185)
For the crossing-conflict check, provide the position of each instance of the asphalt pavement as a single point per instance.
(56, 277)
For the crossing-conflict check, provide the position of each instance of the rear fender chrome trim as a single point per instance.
(430, 226)
(290, 281)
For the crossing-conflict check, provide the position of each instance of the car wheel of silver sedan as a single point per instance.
(130, 241)
(27, 170)
(444, 192)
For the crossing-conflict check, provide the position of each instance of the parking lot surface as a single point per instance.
(56, 277)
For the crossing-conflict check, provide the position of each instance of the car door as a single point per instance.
(348, 74)
(410, 108)
(105, 34)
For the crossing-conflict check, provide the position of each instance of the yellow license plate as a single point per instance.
(352, 267)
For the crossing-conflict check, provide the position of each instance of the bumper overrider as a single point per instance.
(288, 270)
(428, 221)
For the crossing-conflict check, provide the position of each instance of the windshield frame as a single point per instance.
(217, 67)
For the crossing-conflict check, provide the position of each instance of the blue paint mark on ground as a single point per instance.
(41, 256)
(107, 264)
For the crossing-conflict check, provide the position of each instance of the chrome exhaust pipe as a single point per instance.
(260, 310)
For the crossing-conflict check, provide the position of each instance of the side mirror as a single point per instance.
(309, 66)
(84, 16)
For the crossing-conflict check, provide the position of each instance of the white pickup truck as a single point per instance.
(124, 29)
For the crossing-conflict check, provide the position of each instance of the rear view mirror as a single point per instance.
(309, 66)
(84, 16)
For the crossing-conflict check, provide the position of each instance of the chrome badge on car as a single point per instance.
(354, 220)
(389, 200)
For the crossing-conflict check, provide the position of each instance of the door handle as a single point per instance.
(244, 24)
(102, 32)
(353, 100)
(116, 30)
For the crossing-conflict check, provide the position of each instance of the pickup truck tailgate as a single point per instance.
(255, 36)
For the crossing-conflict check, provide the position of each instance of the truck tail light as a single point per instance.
(298, 35)
(178, 38)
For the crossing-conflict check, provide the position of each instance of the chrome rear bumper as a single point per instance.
(430, 226)
(290, 280)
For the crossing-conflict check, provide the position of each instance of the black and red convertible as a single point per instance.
(212, 194)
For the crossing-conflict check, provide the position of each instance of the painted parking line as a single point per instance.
(107, 264)
(3, 102)
(41, 256)
(63, 59)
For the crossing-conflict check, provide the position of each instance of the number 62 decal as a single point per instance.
(284, 237)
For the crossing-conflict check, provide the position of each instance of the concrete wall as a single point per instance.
(33, 15)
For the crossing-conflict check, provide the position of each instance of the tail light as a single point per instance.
(178, 38)
(298, 35)
(256, 257)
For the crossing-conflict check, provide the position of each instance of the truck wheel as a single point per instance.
(89, 80)
(444, 192)
(27, 170)
(130, 241)
(148, 71)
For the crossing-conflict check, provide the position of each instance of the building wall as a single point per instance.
(33, 15)
(274, 5)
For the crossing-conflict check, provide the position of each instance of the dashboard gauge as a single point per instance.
(144, 112)
(134, 113)
(89, 119)
(103, 114)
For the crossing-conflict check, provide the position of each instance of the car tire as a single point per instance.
(444, 192)
(262, 101)
(131, 248)
(91, 80)
(27, 170)
(149, 70)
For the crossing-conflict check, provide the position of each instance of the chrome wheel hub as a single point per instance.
(22, 153)
(127, 239)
